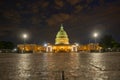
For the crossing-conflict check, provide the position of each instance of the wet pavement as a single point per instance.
(60, 66)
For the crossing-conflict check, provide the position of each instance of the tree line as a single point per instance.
(108, 43)
(6, 46)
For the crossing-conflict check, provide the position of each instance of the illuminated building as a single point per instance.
(34, 48)
(91, 47)
(62, 37)
(62, 42)
(61, 45)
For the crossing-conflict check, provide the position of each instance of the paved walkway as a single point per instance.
(60, 66)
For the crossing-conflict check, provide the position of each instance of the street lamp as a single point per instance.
(95, 35)
(25, 36)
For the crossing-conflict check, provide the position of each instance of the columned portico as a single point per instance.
(74, 48)
(49, 49)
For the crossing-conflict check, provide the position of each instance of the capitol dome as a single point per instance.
(62, 37)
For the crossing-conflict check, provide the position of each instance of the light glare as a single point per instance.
(95, 34)
(25, 36)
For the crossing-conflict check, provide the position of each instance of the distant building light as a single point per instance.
(77, 44)
(15, 49)
(45, 44)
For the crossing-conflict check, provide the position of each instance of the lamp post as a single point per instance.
(25, 36)
(95, 35)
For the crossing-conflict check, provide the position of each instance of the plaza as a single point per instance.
(60, 66)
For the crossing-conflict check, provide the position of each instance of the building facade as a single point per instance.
(61, 45)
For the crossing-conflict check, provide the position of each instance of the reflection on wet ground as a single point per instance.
(60, 66)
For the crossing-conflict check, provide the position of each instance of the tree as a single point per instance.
(6, 45)
(108, 41)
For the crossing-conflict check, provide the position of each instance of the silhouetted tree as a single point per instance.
(6, 45)
(108, 41)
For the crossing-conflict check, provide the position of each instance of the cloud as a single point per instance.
(58, 18)
(78, 8)
(59, 3)
(35, 9)
(36, 20)
(12, 16)
(80, 16)
(44, 4)
(73, 2)
(7, 30)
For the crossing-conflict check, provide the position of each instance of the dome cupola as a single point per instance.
(62, 37)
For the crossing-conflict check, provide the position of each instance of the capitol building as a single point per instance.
(62, 44)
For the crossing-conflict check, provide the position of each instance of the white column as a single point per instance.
(74, 48)
(49, 49)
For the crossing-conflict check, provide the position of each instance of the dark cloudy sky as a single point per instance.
(41, 19)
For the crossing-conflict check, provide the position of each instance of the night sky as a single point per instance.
(41, 19)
